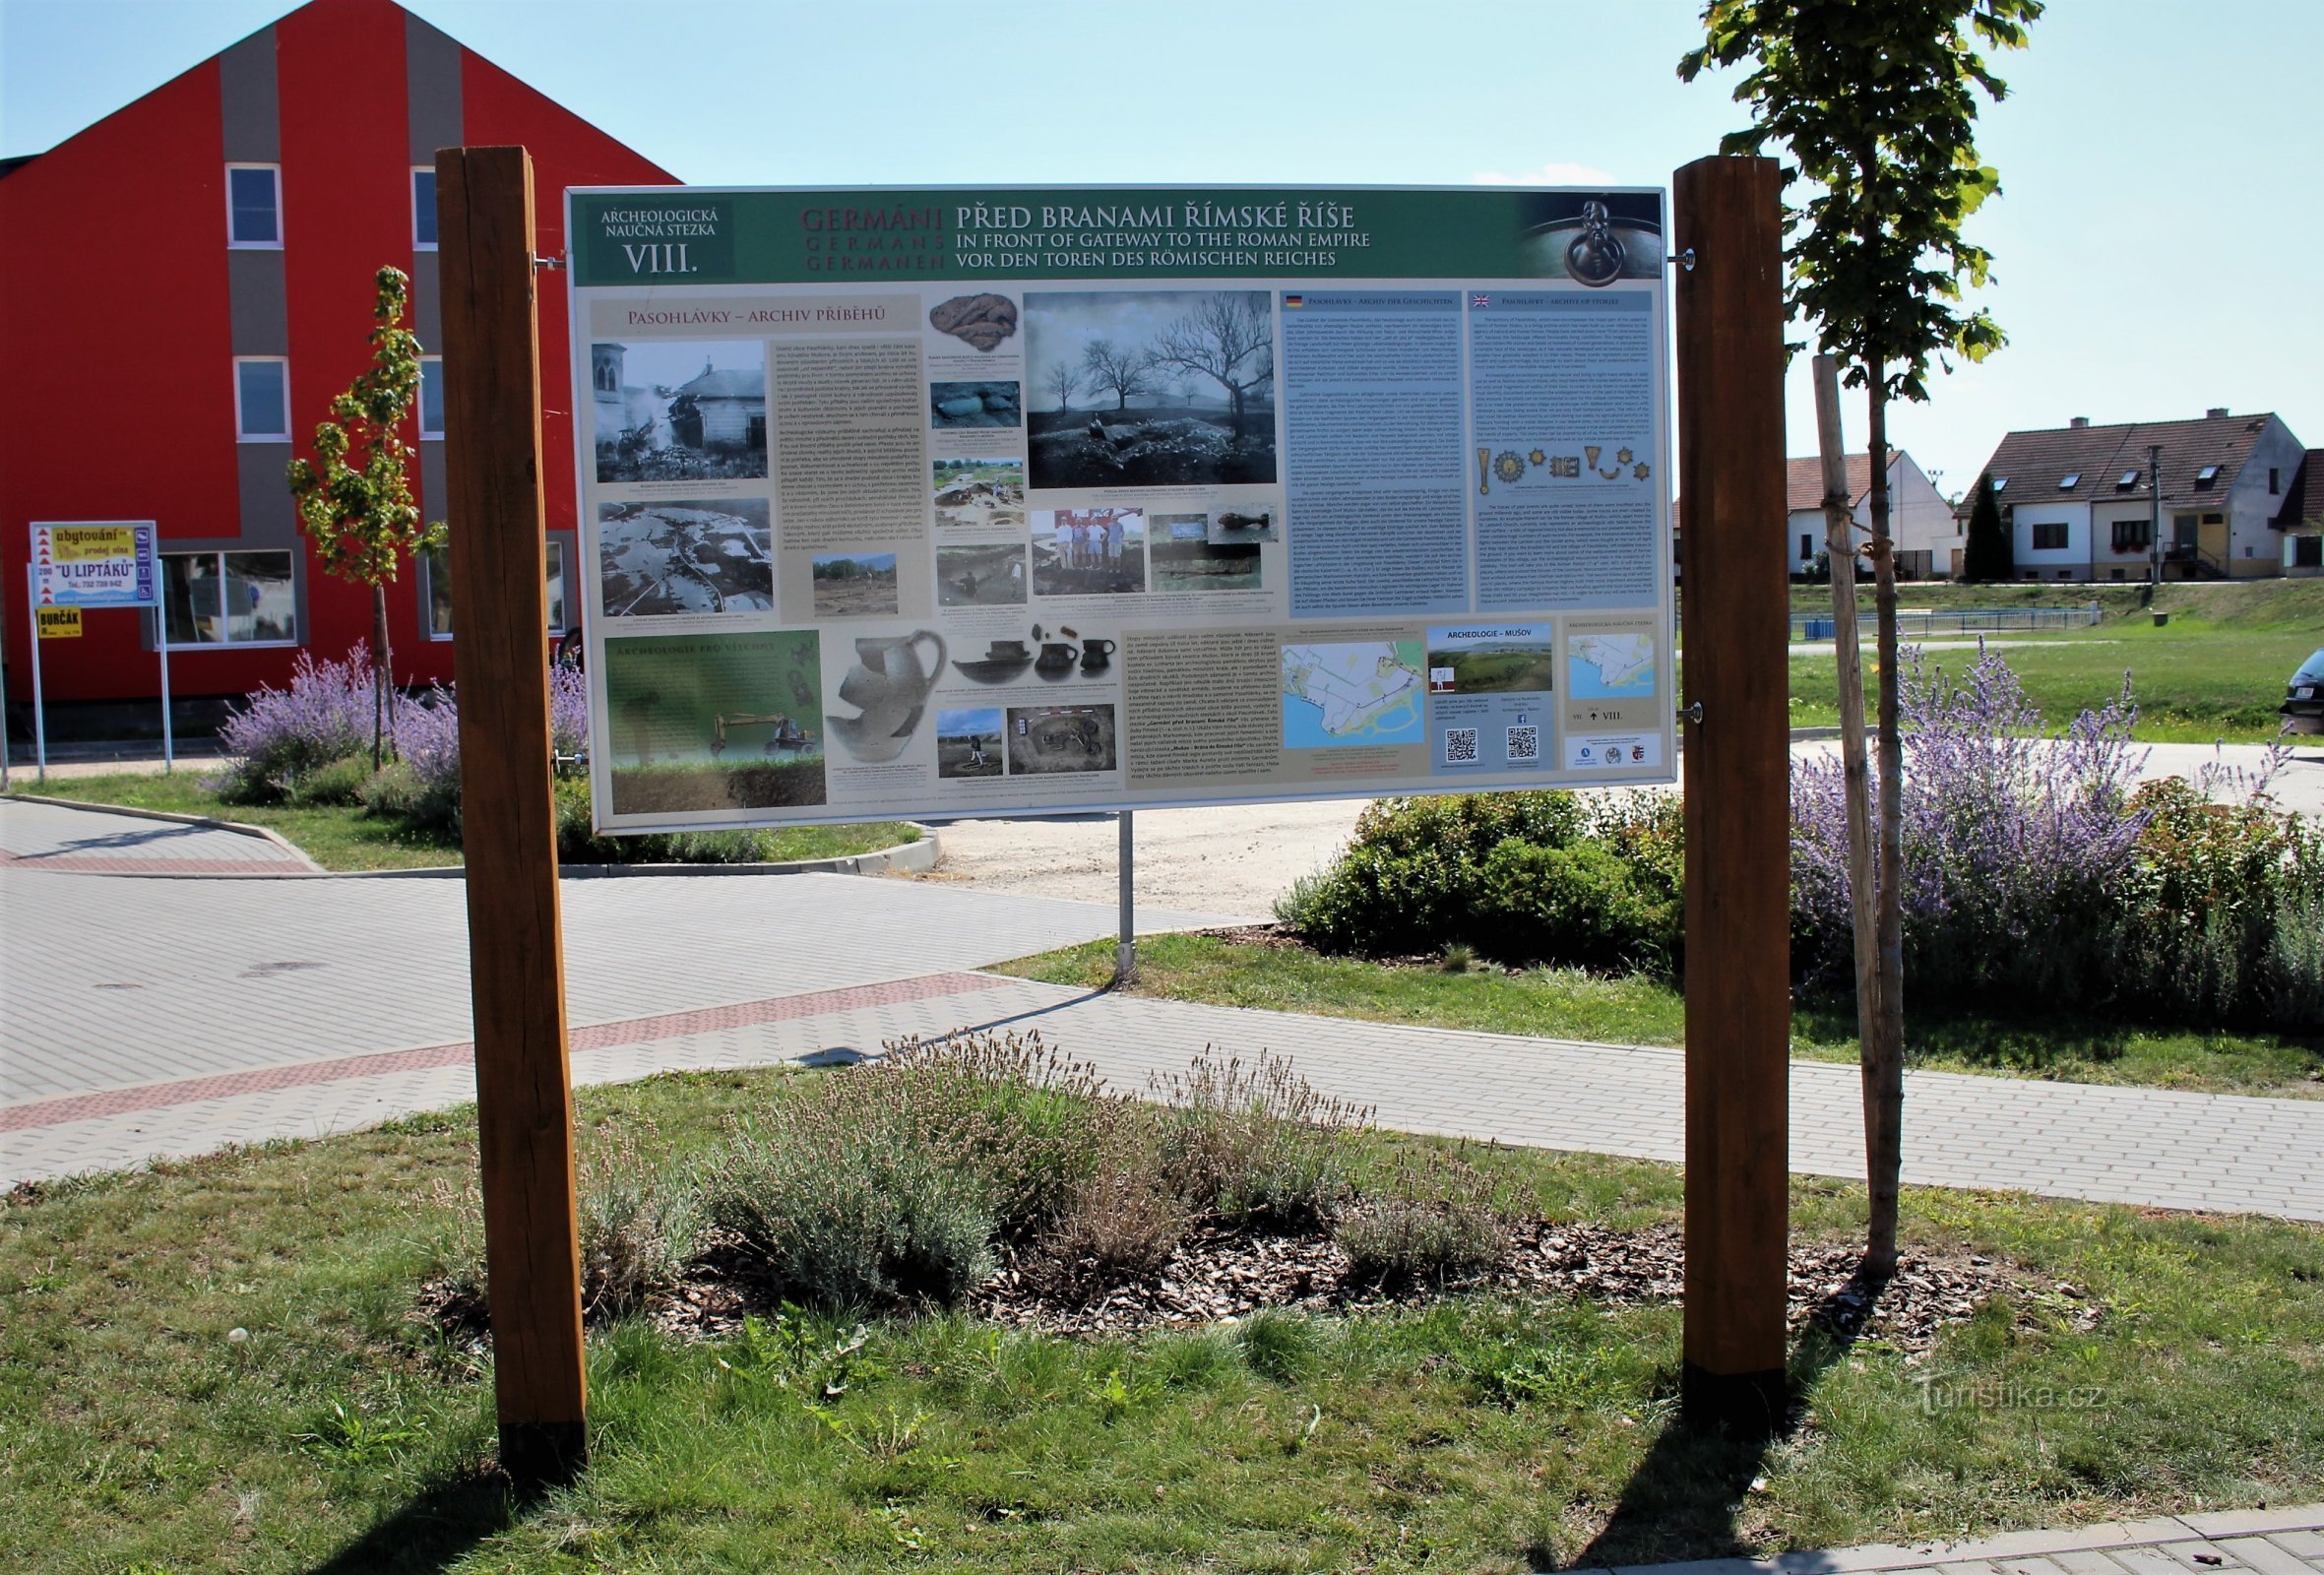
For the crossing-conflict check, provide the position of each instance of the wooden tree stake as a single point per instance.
(508, 824)
(1739, 998)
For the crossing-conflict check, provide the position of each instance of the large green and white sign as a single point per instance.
(979, 502)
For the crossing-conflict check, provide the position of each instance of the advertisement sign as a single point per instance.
(108, 564)
(988, 502)
(57, 623)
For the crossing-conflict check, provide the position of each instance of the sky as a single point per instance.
(2159, 243)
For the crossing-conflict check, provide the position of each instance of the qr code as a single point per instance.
(1459, 746)
(1525, 743)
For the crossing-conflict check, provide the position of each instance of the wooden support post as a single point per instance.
(508, 827)
(1739, 1002)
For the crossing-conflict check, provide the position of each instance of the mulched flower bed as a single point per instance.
(1218, 1275)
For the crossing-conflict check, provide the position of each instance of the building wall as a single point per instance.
(2254, 544)
(2070, 561)
(122, 306)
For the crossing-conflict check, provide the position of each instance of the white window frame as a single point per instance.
(218, 555)
(563, 545)
(2070, 480)
(274, 245)
(417, 244)
(420, 396)
(242, 432)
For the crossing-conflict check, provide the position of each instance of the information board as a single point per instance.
(959, 502)
(97, 564)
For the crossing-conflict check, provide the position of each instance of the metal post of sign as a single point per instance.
(162, 644)
(35, 633)
(39, 722)
(1125, 951)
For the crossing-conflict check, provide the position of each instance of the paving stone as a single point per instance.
(2259, 1554)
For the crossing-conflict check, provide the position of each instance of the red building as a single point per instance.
(191, 279)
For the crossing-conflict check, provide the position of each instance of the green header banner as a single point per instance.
(661, 236)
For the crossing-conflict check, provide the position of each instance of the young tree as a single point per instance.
(1065, 381)
(1988, 555)
(1228, 339)
(360, 515)
(1116, 371)
(1877, 102)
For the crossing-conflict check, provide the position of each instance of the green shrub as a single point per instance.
(1521, 878)
(398, 794)
(1256, 1141)
(340, 781)
(891, 1183)
(1438, 1218)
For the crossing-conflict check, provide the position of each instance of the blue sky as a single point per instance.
(2160, 244)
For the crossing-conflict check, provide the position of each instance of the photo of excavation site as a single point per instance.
(1519, 661)
(980, 577)
(985, 495)
(975, 405)
(1149, 387)
(854, 584)
(1048, 739)
(969, 742)
(1083, 552)
(1186, 560)
(711, 721)
(679, 411)
(708, 557)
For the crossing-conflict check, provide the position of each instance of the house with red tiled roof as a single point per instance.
(1927, 537)
(2082, 502)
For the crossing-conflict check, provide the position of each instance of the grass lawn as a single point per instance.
(2215, 671)
(213, 1367)
(344, 838)
(1565, 1004)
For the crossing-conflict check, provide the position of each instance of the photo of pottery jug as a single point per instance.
(890, 685)
(1096, 654)
(1056, 659)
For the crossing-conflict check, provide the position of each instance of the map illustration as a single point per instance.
(1610, 667)
(1364, 692)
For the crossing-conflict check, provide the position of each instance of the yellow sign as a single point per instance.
(58, 623)
(79, 544)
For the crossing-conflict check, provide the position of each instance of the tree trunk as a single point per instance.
(1848, 651)
(381, 681)
(1884, 1052)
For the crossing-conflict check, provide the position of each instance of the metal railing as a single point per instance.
(1922, 624)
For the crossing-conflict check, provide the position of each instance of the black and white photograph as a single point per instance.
(1187, 558)
(679, 411)
(710, 556)
(986, 495)
(1052, 740)
(1084, 552)
(980, 577)
(854, 584)
(969, 742)
(1151, 387)
(951, 404)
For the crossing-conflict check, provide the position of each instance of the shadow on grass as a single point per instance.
(435, 1530)
(1682, 1501)
(2029, 1043)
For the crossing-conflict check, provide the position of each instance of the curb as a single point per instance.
(207, 822)
(910, 857)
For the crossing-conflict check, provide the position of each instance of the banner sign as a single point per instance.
(106, 564)
(992, 502)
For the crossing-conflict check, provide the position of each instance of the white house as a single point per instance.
(2080, 504)
(1927, 537)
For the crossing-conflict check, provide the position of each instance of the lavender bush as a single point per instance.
(280, 735)
(2036, 877)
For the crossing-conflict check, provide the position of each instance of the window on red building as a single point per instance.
(262, 399)
(423, 209)
(254, 205)
(229, 598)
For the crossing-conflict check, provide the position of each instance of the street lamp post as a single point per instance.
(2155, 513)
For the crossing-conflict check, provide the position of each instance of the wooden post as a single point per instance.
(1738, 1000)
(508, 827)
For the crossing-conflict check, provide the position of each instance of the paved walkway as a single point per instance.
(2256, 1541)
(85, 842)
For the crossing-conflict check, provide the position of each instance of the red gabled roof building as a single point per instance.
(186, 284)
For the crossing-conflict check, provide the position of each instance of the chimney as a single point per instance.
(2079, 422)
(2217, 412)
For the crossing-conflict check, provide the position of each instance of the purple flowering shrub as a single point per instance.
(280, 735)
(427, 732)
(2035, 878)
